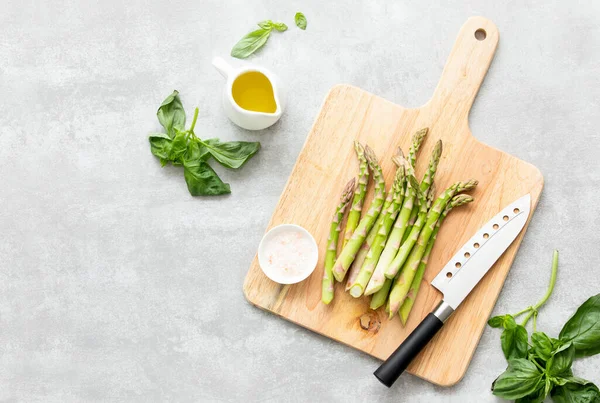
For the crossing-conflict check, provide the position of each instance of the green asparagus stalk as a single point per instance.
(434, 161)
(416, 283)
(416, 142)
(393, 244)
(411, 223)
(359, 193)
(422, 229)
(405, 278)
(394, 240)
(381, 296)
(426, 184)
(410, 241)
(349, 252)
(366, 246)
(332, 241)
(362, 253)
(388, 216)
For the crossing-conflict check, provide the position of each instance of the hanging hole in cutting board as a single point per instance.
(480, 34)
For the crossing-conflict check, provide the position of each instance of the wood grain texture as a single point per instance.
(326, 163)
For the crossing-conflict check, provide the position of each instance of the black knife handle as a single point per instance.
(395, 365)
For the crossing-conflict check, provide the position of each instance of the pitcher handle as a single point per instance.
(222, 66)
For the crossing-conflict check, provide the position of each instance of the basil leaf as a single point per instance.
(266, 24)
(178, 147)
(583, 329)
(280, 26)
(496, 321)
(536, 396)
(574, 379)
(171, 114)
(561, 361)
(160, 146)
(542, 345)
(520, 379)
(232, 154)
(195, 152)
(202, 180)
(250, 43)
(505, 321)
(300, 20)
(514, 342)
(576, 393)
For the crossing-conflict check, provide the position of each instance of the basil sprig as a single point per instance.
(541, 367)
(182, 147)
(253, 41)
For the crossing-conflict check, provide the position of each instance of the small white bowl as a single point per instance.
(310, 261)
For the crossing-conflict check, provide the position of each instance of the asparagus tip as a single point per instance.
(348, 190)
(471, 184)
(461, 199)
(358, 148)
(437, 150)
(414, 183)
(371, 157)
(421, 133)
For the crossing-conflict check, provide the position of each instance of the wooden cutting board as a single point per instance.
(327, 162)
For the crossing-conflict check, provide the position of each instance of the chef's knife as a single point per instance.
(457, 279)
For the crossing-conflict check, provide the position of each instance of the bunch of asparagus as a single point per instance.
(384, 253)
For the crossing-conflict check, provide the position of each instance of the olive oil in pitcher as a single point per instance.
(253, 91)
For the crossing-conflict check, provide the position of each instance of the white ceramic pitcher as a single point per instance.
(244, 118)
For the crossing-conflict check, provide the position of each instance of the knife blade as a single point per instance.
(457, 279)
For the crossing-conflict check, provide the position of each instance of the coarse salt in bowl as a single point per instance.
(288, 254)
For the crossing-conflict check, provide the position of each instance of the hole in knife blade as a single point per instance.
(496, 226)
(486, 235)
(476, 245)
(449, 275)
(505, 218)
(516, 211)
(457, 265)
(467, 255)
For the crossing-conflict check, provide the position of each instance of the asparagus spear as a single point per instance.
(426, 183)
(416, 283)
(349, 252)
(421, 231)
(388, 217)
(434, 161)
(366, 246)
(416, 142)
(332, 241)
(380, 297)
(394, 240)
(359, 193)
(378, 278)
(405, 278)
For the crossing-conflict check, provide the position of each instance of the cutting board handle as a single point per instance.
(466, 67)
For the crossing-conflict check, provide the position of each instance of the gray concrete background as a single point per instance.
(117, 285)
